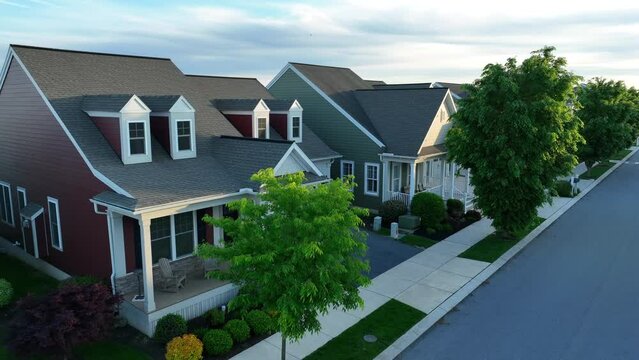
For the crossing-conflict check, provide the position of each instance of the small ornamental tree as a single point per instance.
(610, 112)
(517, 132)
(297, 251)
(56, 323)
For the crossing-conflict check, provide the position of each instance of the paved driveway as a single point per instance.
(384, 253)
(573, 293)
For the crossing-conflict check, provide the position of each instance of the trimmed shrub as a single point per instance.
(455, 208)
(81, 280)
(472, 215)
(199, 332)
(563, 188)
(430, 208)
(217, 342)
(70, 316)
(259, 322)
(6, 293)
(239, 330)
(185, 347)
(215, 317)
(391, 210)
(169, 327)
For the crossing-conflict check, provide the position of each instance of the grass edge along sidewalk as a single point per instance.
(439, 312)
(387, 323)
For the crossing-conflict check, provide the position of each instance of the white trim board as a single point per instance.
(295, 148)
(108, 182)
(328, 99)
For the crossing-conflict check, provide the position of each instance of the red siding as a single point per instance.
(280, 123)
(36, 154)
(160, 129)
(129, 225)
(243, 123)
(110, 128)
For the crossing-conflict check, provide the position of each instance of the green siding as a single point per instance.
(335, 130)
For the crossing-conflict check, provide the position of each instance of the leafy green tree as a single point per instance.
(296, 251)
(517, 132)
(610, 112)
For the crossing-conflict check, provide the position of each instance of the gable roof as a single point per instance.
(69, 80)
(455, 88)
(403, 116)
(404, 86)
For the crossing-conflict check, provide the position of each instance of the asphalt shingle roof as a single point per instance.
(110, 103)
(236, 104)
(403, 116)
(455, 88)
(162, 103)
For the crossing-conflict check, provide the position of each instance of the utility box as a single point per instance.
(409, 222)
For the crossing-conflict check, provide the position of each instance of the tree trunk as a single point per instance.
(283, 347)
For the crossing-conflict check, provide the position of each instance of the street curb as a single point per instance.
(406, 340)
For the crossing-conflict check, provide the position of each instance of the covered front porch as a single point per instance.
(140, 241)
(405, 177)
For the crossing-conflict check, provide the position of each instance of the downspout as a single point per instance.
(110, 227)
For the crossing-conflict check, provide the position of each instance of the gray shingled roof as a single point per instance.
(161, 103)
(279, 105)
(235, 104)
(311, 144)
(109, 103)
(455, 88)
(403, 86)
(66, 77)
(402, 116)
(339, 84)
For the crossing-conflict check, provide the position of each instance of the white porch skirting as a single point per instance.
(189, 308)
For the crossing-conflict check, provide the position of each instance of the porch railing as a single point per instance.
(396, 195)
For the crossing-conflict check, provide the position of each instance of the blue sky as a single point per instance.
(396, 41)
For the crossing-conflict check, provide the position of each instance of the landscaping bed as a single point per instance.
(492, 246)
(387, 323)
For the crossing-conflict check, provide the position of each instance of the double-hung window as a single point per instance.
(371, 183)
(54, 223)
(137, 139)
(183, 234)
(184, 135)
(161, 238)
(173, 237)
(261, 128)
(347, 168)
(6, 205)
(296, 123)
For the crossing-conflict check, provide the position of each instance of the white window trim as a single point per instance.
(290, 127)
(128, 137)
(341, 167)
(12, 218)
(23, 191)
(57, 208)
(257, 125)
(172, 237)
(191, 136)
(366, 191)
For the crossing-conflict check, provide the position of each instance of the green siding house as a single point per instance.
(391, 136)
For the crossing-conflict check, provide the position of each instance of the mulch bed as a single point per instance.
(441, 235)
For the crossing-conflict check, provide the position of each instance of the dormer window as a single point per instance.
(137, 139)
(295, 122)
(261, 128)
(184, 135)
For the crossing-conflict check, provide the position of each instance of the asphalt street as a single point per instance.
(573, 293)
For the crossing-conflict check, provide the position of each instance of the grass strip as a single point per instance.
(493, 246)
(417, 240)
(596, 171)
(387, 323)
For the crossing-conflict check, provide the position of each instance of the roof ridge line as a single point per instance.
(256, 139)
(223, 77)
(88, 52)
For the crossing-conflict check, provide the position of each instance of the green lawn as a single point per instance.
(387, 323)
(597, 171)
(492, 247)
(107, 350)
(417, 240)
(24, 278)
(384, 231)
(620, 155)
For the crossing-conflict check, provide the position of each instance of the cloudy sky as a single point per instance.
(396, 41)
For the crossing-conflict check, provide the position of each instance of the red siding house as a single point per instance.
(108, 162)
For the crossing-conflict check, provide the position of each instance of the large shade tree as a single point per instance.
(517, 131)
(296, 251)
(610, 112)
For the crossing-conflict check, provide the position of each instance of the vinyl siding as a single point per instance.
(335, 130)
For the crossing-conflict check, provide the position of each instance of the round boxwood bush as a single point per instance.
(6, 293)
(259, 322)
(563, 188)
(472, 215)
(216, 317)
(430, 208)
(391, 210)
(168, 327)
(239, 330)
(217, 342)
(455, 208)
(185, 347)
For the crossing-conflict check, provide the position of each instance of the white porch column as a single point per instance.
(147, 264)
(411, 182)
(218, 232)
(453, 169)
(443, 169)
(117, 236)
(386, 183)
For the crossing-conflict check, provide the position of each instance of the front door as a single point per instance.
(397, 177)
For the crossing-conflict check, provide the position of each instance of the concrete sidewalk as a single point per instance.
(424, 281)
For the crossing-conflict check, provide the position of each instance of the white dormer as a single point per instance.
(294, 122)
(182, 130)
(135, 132)
(261, 123)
